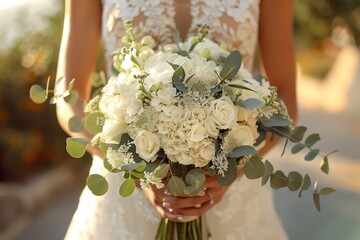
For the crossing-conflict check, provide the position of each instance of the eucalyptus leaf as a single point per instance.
(312, 154)
(76, 147)
(283, 151)
(72, 97)
(97, 184)
(127, 187)
(278, 180)
(262, 136)
(137, 175)
(193, 190)
(254, 168)
(178, 71)
(242, 151)
(231, 66)
(125, 139)
(162, 170)
(180, 86)
(195, 177)
(215, 90)
(297, 148)
(312, 139)
(75, 124)
(37, 94)
(326, 191)
(250, 103)
(297, 134)
(94, 122)
(294, 181)
(230, 174)
(275, 121)
(132, 166)
(183, 53)
(324, 166)
(176, 186)
(241, 87)
(306, 184)
(316, 198)
(71, 85)
(269, 169)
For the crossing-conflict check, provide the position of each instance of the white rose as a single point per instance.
(112, 130)
(147, 145)
(238, 135)
(208, 151)
(223, 112)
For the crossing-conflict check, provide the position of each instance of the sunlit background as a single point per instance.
(40, 184)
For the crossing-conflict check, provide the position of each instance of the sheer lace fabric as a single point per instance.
(246, 211)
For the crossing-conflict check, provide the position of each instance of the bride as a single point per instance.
(242, 211)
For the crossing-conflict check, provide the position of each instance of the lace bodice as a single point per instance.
(233, 22)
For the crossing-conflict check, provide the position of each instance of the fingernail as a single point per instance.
(166, 192)
(166, 204)
(198, 205)
(170, 210)
(201, 193)
(179, 218)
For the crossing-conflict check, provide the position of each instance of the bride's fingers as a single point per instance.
(184, 202)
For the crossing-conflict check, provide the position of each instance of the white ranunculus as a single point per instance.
(161, 72)
(147, 145)
(112, 130)
(223, 112)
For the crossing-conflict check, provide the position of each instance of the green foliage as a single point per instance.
(254, 168)
(176, 186)
(127, 187)
(76, 147)
(97, 184)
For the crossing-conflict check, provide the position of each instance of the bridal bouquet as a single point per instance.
(171, 116)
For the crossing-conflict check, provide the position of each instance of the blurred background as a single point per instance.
(40, 184)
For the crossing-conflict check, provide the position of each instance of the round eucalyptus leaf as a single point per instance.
(195, 177)
(294, 181)
(297, 134)
(312, 154)
(278, 180)
(242, 151)
(312, 139)
(193, 190)
(230, 174)
(75, 124)
(324, 166)
(127, 187)
(132, 166)
(306, 184)
(97, 184)
(37, 94)
(162, 170)
(94, 122)
(254, 168)
(176, 186)
(76, 147)
(72, 97)
(110, 168)
(316, 198)
(297, 148)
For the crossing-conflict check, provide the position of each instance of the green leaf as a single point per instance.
(176, 186)
(72, 98)
(316, 198)
(76, 147)
(324, 166)
(195, 177)
(180, 86)
(125, 139)
(242, 151)
(254, 168)
(297, 148)
(71, 85)
(269, 169)
(294, 181)
(94, 122)
(250, 103)
(297, 134)
(162, 170)
(285, 144)
(312, 154)
(178, 71)
(37, 94)
(312, 139)
(132, 166)
(138, 175)
(193, 190)
(230, 174)
(75, 124)
(306, 184)
(127, 187)
(231, 66)
(326, 191)
(275, 121)
(97, 184)
(278, 180)
(241, 87)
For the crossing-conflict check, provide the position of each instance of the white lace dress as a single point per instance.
(246, 211)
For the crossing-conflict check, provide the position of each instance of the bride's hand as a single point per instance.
(177, 208)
